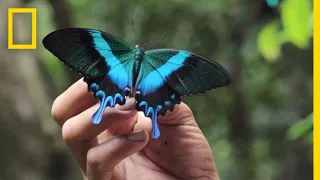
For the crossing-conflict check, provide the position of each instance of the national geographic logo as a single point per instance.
(33, 44)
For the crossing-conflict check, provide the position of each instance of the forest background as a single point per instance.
(259, 127)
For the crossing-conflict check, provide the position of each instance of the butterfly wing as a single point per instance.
(86, 51)
(103, 59)
(187, 73)
(168, 74)
(112, 88)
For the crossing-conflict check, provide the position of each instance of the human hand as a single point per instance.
(120, 147)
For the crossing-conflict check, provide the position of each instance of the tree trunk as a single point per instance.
(240, 133)
(28, 131)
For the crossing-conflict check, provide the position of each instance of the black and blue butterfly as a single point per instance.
(113, 70)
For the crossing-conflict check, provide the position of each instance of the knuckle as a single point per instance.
(68, 133)
(93, 160)
(56, 110)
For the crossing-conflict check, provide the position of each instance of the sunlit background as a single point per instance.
(259, 127)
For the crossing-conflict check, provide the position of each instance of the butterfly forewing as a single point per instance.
(188, 73)
(84, 50)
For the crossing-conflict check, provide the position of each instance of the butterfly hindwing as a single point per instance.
(104, 60)
(108, 93)
(168, 74)
(157, 103)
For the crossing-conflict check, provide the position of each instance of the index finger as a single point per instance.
(72, 102)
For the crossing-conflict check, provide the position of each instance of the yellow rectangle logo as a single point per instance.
(33, 44)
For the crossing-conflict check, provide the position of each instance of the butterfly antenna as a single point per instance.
(163, 38)
(134, 31)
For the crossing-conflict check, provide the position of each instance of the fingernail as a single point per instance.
(137, 136)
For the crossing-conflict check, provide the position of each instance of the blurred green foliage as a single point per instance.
(296, 21)
(302, 128)
(268, 41)
(268, 52)
(297, 28)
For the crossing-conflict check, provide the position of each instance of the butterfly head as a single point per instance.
(138, 52)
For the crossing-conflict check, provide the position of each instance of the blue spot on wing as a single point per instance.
(104, 102)
(153, 114)
(156, 104)
(156, 78)
(94, 87)
(97, 116)
(117, 72)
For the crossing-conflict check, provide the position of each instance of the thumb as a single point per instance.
(102, 159)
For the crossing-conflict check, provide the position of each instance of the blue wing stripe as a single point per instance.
(117, 72)
(156, 78)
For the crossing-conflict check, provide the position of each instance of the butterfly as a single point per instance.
(113, 70)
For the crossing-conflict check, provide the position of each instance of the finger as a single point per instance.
(79, 133)
(102, 159)
(73, 101)
(138, 123)
(80, 127)
(118, 128)
(181, 115)
(123, 127)
(143, 123)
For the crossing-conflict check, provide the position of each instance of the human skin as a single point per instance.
(121, 147)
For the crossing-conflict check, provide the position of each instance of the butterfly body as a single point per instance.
(138, 58)
(113, 70)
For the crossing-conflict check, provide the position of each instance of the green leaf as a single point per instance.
(295, 16)
(268, 43)
(301, 128)
(311, 24)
